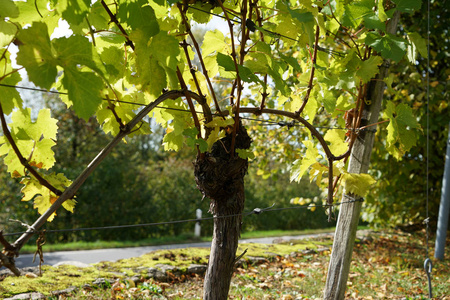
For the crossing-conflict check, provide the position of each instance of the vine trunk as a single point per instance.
(220, 177)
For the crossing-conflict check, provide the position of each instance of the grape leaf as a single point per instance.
(200, 13)
(300, 166)
(10, 98)
(7, 33)
(76, 50)
(9, 9)
(213, 42)
(381, 12)
(220, 122)
(84, 91)
(34, 140)
(173, 141)
(225, 62)
(215, 135)
(226, 66)
(401, 135)
(301, 15)
(389, 46)
(357, 184)
(316, 173)
(245, 153)
(36, 55)
(336, 138)
(356, 11)
(369, 68)
(43, 197)
(73, 11)
(193, 141)
(44, 126)
(28, 11)
(139, 16)
(248, 76)
(407, 6)
(419, 44)
(372, 21)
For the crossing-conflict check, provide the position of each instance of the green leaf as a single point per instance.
(200, 13)
(336, 138)
(173, 141)
(381, 13)
(293, 62)
(301, 15)
(28, 11)
(9, 9)
(357, 184)
(226, 66)
(34, 140)
(84, 91)
(73, 11)
(7, 33)
(369, 68)
(245, 153)
(407, 6)
(220, 122)
(226, 62)
(171, 48)
(10, 97)
(419, 43)
(356, 11)
(139, 15)
(36, 55)
(247, 75)
(276, 71)
(300, 166)
(44, 126)
(113, 58)
(372, 21)
(42, 197)
(390, 46)
(213, 42)
(401, 135)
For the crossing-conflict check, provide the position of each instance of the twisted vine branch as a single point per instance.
(73, 188)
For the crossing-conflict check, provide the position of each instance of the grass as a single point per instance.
(389, 265)
(181, 239)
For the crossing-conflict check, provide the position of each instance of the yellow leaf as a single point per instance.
(357, 184)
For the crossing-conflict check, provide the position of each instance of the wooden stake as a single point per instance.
(349, 214)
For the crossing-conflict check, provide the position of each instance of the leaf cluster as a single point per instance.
(309, 62)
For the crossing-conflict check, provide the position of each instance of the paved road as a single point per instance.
(94, 256)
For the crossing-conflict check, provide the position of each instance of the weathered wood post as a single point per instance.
(349, 213)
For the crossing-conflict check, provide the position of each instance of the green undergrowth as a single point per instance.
(62, 277)
(385, 265)
(52, 278)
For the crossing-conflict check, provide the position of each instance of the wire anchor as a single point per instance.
(428, 266)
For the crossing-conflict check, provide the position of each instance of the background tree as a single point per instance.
(397, 198)
(300, 62)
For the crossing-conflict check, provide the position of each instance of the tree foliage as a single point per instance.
(398, 197)
(292, 63)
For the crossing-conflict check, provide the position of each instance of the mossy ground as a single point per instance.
(65, 276)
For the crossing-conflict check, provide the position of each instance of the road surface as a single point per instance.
(95, 256)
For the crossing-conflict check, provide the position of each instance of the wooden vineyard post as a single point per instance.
(349, 213)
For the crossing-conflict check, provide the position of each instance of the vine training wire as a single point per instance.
(427, 263)
(267, 122)
(255, 211)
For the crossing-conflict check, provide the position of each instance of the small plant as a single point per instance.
(153, 288)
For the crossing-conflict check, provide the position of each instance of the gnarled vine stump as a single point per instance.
(220, 177)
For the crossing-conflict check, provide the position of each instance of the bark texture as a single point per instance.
(220, 177)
